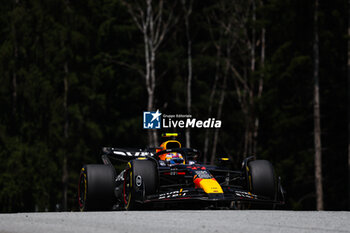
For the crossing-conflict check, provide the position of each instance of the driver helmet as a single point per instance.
(174, 158)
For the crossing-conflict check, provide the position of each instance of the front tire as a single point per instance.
(96, 187)
(262, 178)
(147, 170)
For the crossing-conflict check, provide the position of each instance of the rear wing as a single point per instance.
(125, 154)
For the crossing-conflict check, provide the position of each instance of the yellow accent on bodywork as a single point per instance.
(164, 144)
(210, 186)
(129, 197)
(249, 179)
(141, 158)
(170, 134)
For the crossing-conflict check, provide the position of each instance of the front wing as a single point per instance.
(192, 194)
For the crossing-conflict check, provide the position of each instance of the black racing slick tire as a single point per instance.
(140, 180)
(262, 178)
(96, 187)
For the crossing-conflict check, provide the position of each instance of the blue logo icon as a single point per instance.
(151, 120)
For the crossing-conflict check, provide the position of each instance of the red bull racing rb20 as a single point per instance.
(171, 176)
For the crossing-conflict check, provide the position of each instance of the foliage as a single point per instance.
(106, 99)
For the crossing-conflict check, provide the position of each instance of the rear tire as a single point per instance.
(262, 178)
(96, 187)
(147, 170)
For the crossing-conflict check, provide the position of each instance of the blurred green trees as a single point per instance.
(106, 99)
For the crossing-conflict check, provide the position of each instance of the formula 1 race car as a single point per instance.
(170, 175)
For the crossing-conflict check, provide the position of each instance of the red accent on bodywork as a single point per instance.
(197, 182)
(179, 173)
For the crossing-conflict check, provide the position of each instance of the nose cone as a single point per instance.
(208, 185)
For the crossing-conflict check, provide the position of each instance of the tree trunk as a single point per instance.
(216, 133)
(260, 89)
(151, 23)
(64, 166)
(348, 104)
(153, 86)
(188, 11)
(221, 104)
(150, 108)
(252, 44)
(14, 75)
(189, 79)
(206, 137)
(252, 121)
(211, 99)
(317, 124)
(148, 81)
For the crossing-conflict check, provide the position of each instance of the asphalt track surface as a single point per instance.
(176, 221)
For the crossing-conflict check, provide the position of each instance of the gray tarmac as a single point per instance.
(176, 221)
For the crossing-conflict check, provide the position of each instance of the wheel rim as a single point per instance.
(127, 188)
(82, 189)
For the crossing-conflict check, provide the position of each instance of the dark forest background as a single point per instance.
(71, 82)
